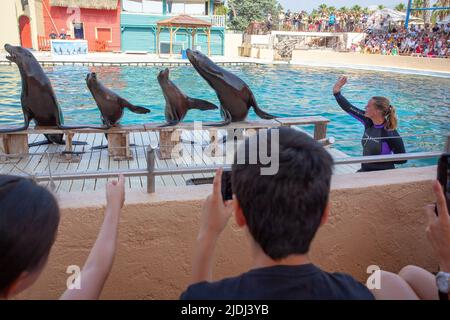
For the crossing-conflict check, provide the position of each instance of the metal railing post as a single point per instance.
(151, 188)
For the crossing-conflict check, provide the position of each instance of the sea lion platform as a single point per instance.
(127, 147)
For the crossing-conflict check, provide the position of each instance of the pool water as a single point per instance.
(423, 102)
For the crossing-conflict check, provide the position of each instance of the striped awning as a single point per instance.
(86, 4)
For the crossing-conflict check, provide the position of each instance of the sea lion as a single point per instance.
(38, 98)
(110, 104)
(235, 96)
(177, 103)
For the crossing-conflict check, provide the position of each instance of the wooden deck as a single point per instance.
(47, 159)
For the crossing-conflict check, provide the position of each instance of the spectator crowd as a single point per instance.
(336, 21)
(422, 41)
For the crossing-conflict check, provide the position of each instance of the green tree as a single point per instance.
(331, 9)
(417, 4)
(246, 11)
(381, 7)
(441, 14)
(323, 8)
(366, 10)
(356, 9)
(426, 13)
(400, 7)
(343, 10)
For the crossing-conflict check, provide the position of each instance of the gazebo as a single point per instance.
(184, 21)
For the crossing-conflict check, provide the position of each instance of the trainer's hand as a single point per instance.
(115, 194)
(438, 230)
(215, 213)
(339, 84)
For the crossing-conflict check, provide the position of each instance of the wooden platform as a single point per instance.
(47, 159)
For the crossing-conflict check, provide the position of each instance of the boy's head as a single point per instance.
(29, 219)
(283, 211)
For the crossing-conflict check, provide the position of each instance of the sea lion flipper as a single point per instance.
(259, 112)
(227, 119)
(169, 124)
(201, 104)
(133, 108)
(24, 127)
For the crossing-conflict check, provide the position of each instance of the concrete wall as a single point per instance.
(232, 43)
(358, 59)
(377, 219)
(353, 37)
(10, 12)
(258, 39)
(8, 24)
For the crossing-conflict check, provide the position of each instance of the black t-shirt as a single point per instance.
(304, 282)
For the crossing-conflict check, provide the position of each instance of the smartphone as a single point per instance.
(227, 191)
(443, 176)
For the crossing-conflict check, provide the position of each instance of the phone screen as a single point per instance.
(227, 192)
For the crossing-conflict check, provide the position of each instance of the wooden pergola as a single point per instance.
(183, 21)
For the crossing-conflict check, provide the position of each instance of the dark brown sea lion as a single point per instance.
(109, 103)
(177, 103)
(38, 99)
(235, 96)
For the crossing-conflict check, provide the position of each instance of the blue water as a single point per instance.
(423, 102)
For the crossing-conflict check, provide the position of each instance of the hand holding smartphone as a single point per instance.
(227, 191)
(443, 176)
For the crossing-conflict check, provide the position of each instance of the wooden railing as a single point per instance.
(43, 43)
(119, 142)
(219, 21)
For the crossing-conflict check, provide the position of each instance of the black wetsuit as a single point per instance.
(376, 140)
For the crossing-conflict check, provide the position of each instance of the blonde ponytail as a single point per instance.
(389, 112)
(391, 119)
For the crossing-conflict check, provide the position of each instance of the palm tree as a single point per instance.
(441, 14)
(343, 10)
(366, 10)
(356, 9)
(323, 8)
(417, 4)
(331, 9)
(381, 7)
(400, 7)
(426, 13)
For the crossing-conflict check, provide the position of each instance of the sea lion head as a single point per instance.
(203, 64)
(91, 78)
(20, 56)
(163, 75)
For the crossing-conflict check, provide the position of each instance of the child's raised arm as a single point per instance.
(99, 263)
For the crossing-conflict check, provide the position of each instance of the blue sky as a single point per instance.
(308, 5)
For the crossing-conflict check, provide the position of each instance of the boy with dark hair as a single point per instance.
(282, 213)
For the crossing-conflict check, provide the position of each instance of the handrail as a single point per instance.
(151, 172)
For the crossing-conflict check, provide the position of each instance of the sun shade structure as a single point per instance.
(86, 4)
(194, 25)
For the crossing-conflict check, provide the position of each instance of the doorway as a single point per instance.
(25, 32)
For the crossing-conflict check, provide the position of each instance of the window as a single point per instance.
(78, 30)
(187, 7)
(142, 6)
(195, 8)
(152, 7)
(103, 34)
